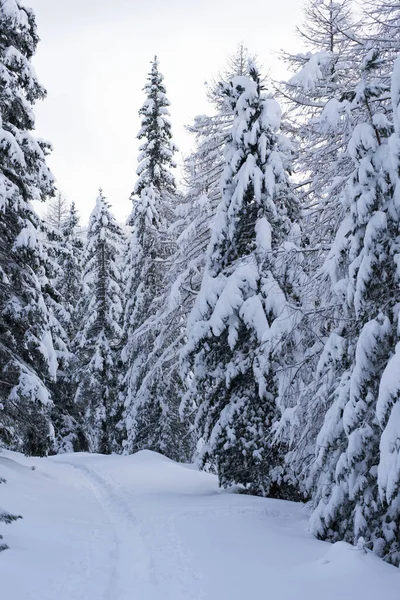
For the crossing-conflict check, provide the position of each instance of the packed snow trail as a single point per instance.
(142, 527)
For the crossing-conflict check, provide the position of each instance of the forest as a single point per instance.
(246, 317)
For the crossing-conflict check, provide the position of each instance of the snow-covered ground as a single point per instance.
(143, 527)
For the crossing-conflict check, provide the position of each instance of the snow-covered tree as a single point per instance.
(246, 305)
(180, 253)
(323, 77)
(179, 282)
(146, 262)
(387, 408)
(147, 259)
(320, 112)
(27, 357)
(206, 164)
(157, 150)
(67, 246)
(183, 270)
(69, 280)
(57, 213)
(99, 335)
(362, 266)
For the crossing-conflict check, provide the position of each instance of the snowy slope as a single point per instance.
(143, 527)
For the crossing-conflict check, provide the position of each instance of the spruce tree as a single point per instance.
(150, 247)
(99, 335)
(387, 407)
(27, 357)
(66, 414)
(205, 165)
(157, 151)
(245, 306)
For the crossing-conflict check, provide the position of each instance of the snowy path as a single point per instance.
(145, 528)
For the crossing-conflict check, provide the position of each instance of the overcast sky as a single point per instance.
(94, 56)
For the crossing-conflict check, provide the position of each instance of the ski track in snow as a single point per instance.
(142, 527)
(133, 570)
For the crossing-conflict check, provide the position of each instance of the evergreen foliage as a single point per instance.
(28, 360)
(66, 415)
(237, 322)
(147, 416)
(157, 150)
(255, 326)
(99, 335)
(362, 267)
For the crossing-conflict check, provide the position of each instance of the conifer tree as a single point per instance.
(387, 407)
(323, 77)
(99, 335)
(363, 269)
(57, 213)
(212, 132)
(69, 281)
(167, 431)
(243, 312)
(27, 356)
(322, 117)
(66, 414)
(150, 247)
(157, 151)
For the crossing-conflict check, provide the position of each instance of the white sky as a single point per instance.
(94, 56)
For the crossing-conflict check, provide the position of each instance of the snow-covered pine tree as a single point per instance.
(69, 281)
(182, 276)
(178, 282)
(183, 272)
(363, 269)
(388, 404)
(248, 299)
(66, 415)
(206, 163)
(99, 334)
(150, 247)
(157, 151)
(27, 357)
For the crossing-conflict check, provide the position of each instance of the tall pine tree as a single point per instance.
(245, 306)
(27, 357)
(99, 336)
(150, 247)
(67, 417)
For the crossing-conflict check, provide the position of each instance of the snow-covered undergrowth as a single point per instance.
(119, 528)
